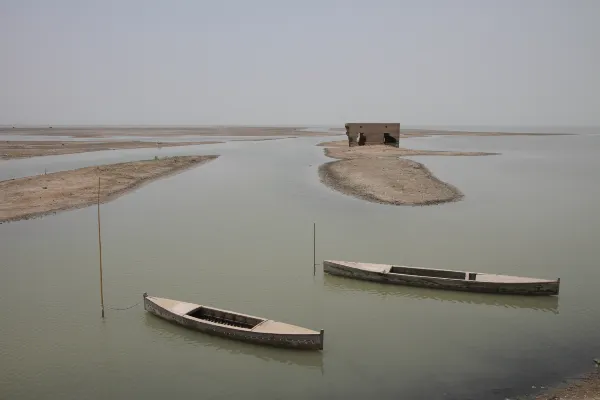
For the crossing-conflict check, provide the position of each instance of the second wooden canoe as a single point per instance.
(443, 279)
(234, 325)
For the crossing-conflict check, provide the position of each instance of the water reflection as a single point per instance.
(538, 303)
(170, 331)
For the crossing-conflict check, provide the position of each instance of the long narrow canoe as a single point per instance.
(234, 325)
(443, 279)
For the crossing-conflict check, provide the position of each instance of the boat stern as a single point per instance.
(286, 335)
(322, 338)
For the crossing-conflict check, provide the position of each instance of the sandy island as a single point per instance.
(39, 195)
(378, 174)
(23, 149)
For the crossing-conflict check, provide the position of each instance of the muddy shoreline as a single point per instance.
(583, 387)
(40, 195)
(379, 174)
(15, 149)
(417, 185)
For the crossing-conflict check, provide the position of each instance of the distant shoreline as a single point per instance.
(136, 131)
(426, 132)
(17, 149)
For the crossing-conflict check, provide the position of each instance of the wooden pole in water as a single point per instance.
(100, 251)
(314, 249)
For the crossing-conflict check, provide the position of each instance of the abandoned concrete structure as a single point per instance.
(361, 133)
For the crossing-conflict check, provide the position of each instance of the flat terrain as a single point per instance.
(434, 132)
(100, 132)
(388, 181)
(408, 133)
(39, 195)
(24, 149)
(378, 174)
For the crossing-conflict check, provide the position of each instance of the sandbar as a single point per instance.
(11, 149)
(39, 195)
(378, 174)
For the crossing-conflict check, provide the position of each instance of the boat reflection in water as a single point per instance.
(537, 303)
(168, 330)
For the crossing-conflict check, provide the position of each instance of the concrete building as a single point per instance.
(363, 133)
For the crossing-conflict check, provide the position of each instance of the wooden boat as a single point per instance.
(234, 325)
(443, 279)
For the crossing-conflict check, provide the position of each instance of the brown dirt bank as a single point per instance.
(39, 195)
(378, 174)
(161, 131)
(387, 181)
(24, 149)
(587, 387)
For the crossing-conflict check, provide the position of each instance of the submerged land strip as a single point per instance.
(39, 195)
(11, 149)
(378, 174)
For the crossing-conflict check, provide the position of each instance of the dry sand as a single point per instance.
(39, 195)
(24, 149)
(378, 174)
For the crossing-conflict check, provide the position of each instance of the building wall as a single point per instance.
(373, 133)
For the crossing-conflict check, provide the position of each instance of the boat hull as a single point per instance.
(534, 288)
(295, 341)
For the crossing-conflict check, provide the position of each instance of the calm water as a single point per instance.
(237, 233)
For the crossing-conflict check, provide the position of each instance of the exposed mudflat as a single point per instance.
(378, 174)
(24, 148)
(39, 195)
(388, 181)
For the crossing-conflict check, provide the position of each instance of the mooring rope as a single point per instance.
(123, 309)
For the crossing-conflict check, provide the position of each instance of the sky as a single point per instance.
(305, 62)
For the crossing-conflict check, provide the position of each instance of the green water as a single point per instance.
(237, 234)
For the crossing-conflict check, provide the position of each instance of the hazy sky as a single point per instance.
(502, 62)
